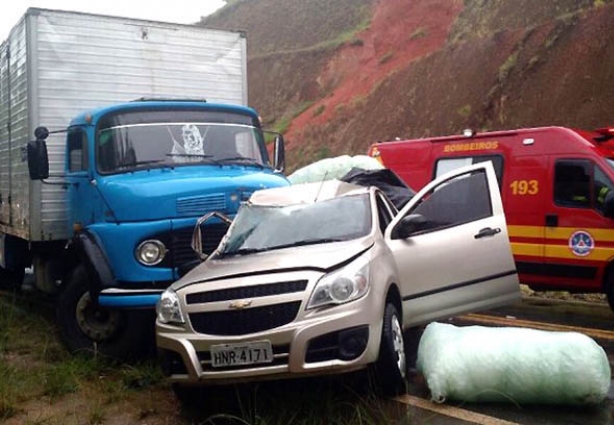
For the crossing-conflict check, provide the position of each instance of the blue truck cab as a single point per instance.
(138, 177)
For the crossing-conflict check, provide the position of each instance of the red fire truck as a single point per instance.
(557, 191)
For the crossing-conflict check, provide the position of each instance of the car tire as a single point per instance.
(391, 366)
(88, 328)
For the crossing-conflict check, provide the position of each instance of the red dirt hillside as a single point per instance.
(400, 32)
(335, 77)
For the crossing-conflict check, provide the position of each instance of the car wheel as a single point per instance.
(89, 328)
(391, 365)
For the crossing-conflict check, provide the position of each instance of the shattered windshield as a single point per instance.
(127, 142)
(259, 228)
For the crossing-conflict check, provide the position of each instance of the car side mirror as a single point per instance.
(279, 154)
(408, 226)
(38, 158)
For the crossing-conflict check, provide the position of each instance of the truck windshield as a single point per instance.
(258, 228)
(128, 142)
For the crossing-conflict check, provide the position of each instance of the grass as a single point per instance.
(507, 66)
(41, 383)
(419, 33)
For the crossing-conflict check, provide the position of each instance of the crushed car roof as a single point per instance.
(306, 193)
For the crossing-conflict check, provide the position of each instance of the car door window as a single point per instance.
(447, 205)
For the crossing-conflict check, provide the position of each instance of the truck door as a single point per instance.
(78, 177)
(578, 240)
(458, 257)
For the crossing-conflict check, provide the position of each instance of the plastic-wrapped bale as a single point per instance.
(333, 168)
(524, 366)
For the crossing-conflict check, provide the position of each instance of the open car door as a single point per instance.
(451, 247)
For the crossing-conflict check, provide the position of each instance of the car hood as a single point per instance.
(167, 193)
(321, 257)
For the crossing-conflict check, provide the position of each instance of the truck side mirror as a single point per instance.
(38, 158)
(279, 154)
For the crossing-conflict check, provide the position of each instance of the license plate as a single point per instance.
(247, 353)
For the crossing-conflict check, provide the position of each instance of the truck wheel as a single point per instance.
(391, 365)
(89, 328)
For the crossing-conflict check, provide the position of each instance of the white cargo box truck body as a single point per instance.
(56, 64)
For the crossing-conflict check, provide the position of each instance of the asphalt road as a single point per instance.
(595, 320)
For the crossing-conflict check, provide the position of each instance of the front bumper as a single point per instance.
(330, 340)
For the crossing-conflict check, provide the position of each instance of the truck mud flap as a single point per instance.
(99, 273)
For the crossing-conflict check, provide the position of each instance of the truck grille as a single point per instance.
(247, 292)
(243, 322)
(199, 205)
(182, 239)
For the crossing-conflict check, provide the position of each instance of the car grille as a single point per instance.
(242, 322)
(247, 292)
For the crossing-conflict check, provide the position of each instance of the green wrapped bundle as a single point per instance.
(523, 366)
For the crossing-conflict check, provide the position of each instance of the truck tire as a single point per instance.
(86, 327)
(391, 366)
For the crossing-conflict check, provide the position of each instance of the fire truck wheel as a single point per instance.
(86, 327)
(609, 289)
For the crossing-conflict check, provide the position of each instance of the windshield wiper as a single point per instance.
(242, 159)
(247, 251)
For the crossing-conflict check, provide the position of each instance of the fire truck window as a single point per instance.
(602, 185)
(458, 201)
(448, 164)
(572, 184)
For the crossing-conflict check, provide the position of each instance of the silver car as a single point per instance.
(324, 278)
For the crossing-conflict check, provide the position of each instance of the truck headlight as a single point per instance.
(342, 286)
(167, 308)
(150, 252)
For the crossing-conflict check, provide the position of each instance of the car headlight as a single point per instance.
(342, 286)
(150, 252)
(167, 308)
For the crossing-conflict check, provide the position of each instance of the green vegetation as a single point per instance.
(40, 383)
(386, 57)
(319, 110)
(281, 125)
(465, 111)
(507, 66)
(419, 33)
(599, 3)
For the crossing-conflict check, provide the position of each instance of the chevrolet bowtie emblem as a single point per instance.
(238, 305)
